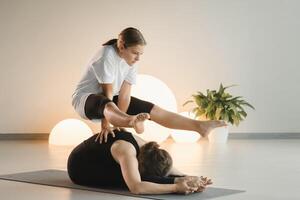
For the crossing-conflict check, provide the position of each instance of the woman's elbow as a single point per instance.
(135, 189)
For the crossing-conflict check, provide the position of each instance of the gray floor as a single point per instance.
(266, 169)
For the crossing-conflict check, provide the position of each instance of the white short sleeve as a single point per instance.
(131, 76)
(104, 70)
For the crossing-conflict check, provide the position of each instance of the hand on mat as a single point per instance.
(194, 181)
(199, 182)
(105, 131)
(183, 188)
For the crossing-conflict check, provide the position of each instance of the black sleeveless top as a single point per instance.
(92, 164)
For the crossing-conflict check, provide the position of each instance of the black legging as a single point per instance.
(95, 104)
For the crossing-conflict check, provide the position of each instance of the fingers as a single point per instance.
(106, 134)
(197, 184)
(206, 181)
(98, 135)
(101, 136)
(201, 188)
(119, 128)
(191, 190)
(113, 134)
(209, 182)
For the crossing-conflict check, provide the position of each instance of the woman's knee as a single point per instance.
(109, 107)
(155, 109)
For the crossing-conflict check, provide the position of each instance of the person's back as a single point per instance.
(91, 163)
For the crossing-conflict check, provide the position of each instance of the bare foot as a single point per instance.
(206, 126)
(137, 122)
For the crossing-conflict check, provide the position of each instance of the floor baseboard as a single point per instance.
(264, 136)
(241, 136)
(24, 136)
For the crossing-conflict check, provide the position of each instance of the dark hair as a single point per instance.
(130, 36)
(154, 161)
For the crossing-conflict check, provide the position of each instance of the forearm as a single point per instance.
(145, 187)
(107, 90)
(104, 123)
(108, 94)
(123, 102)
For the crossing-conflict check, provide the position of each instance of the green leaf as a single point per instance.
(235, 98)
(232, 107)
(218, 113)
(187, 102)
(221, 89)
(226, 96)
(200, 94)
(199, 112)
(198, 100)
(231, 120)
(230, 86)
(243, 113)
(247, 104)
(226, 117)
(235, 119)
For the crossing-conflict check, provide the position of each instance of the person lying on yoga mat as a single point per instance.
(128, 161)
(104, 91)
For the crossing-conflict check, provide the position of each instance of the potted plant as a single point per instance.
(219, 105)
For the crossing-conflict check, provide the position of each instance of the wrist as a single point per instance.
(105, 123)
(175, 188)
(178, 179)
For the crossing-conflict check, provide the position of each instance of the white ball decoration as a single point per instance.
(152, 89)
(69, 132)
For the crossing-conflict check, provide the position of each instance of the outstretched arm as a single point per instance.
(125, 154)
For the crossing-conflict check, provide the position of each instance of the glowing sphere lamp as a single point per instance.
(69, 132)
(152, 89)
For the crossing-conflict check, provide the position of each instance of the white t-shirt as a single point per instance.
(105, 67)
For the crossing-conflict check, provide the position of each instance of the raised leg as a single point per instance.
(176, 121)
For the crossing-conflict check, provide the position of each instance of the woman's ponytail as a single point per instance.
(110, 42)
(130, 37)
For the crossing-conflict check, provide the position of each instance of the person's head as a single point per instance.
(154, 161)
(130, 45)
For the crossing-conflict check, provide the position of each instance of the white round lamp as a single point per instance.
(152, 89)
(69, 132)
(184, 136)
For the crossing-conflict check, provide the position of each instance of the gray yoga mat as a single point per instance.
(60, 178)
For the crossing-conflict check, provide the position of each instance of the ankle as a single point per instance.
(130, 120)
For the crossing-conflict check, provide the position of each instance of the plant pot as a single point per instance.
(219, 135)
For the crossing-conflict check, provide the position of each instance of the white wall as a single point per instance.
(192, 45)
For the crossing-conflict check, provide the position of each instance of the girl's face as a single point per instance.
(132, 54)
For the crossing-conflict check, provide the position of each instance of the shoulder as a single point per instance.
(139, 140)
(109, 52)
(121, 148)
(103, 53)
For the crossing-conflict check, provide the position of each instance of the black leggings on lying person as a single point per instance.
(92, 164)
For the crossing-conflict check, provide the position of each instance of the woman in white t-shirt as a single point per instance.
(104, 91)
